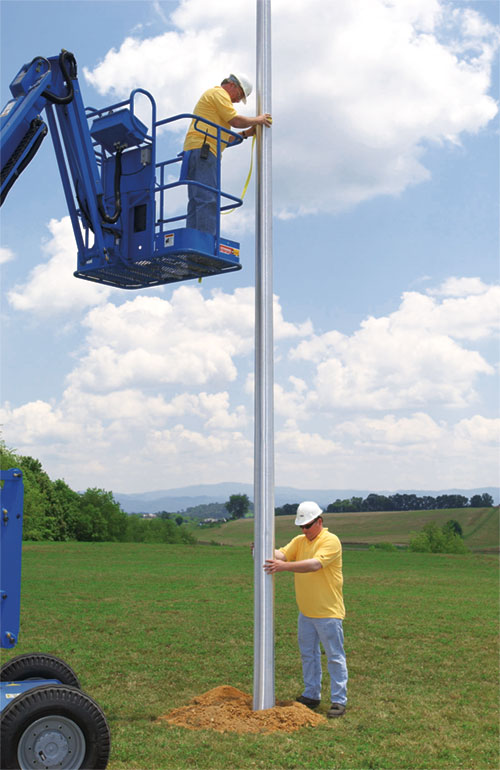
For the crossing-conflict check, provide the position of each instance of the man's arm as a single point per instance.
(250, 124)
(278, 564)
(242, 121)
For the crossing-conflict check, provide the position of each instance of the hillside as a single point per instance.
(181, 498)
(480, 527)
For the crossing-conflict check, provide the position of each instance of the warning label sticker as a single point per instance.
(229, 250)
(8, 108)
(168, 239)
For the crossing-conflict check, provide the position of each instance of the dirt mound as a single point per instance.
(227, 710)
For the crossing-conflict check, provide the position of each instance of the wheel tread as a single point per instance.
(51, 700)
(38, 665)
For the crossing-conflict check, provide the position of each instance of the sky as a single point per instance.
(385, 250)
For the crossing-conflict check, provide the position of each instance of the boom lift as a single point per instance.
(115, 189)
(47, 721)
(116, 196)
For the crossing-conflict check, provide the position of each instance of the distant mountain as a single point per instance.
(179, 499)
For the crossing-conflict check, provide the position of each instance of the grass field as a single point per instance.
(480, 527)
(147, 627)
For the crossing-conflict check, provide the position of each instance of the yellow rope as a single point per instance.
(245, 188)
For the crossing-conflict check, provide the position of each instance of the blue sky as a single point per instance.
(385, 200)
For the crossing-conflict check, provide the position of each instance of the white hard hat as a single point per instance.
(307, 512)
(243, 82)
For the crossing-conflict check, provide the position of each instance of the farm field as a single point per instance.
(148, 627)
(480, 527)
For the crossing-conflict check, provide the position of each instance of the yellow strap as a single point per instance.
(245, 188)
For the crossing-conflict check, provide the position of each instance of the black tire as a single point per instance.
(38, 666)
(54, 726)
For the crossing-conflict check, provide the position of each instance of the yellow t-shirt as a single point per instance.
(215, 105)
(318, 594)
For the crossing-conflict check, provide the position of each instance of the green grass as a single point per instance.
(147, 627)
(480, 527)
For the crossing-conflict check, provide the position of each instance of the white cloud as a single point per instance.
(386, 80)
(217, 413)
(458, 315)
(407, 359)
(460, 287)
(188, 340)
(307, 446)
(291, 404)
(51, 287)
(132, 440)
(6, 255)
(161, 394)
(37, 421)
(479, 430)
(419, 428)
(470, 317)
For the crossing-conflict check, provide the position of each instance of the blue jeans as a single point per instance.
(202, 204)
(328, 631)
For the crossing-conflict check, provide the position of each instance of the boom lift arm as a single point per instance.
(114, 188)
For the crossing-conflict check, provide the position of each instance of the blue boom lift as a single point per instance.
(116, 190)
(47, 721)
(116, 193)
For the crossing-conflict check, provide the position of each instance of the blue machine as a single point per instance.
(117, 197)
(116, 191)
(10, 552)
(47, 722)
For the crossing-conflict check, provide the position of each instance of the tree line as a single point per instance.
(398, 502)
(54, 511)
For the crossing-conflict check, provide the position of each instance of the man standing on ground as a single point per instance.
(215, 105)
(315, 557)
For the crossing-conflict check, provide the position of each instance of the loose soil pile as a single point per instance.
(226, 709)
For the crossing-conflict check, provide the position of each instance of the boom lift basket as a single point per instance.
(116, 192)
(142, 248)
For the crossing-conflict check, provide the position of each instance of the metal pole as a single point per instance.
(263, 692)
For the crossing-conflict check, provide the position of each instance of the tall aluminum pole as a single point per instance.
(263, 693)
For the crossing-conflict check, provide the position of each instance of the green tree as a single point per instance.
(100, 518)
(8, 458)
(434, 539)
(135, 531)
(159, 530)
(45, 507)
(453, 526)
(481, 501)
(339, 506)
(289, 509)
(451, 501)
(34, 511)
(38, 519)
(237, 506)
(65, 509)
(376, 502)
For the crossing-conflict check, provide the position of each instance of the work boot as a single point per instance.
(311, 703)
(336, 710)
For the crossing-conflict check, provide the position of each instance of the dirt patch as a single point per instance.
(228, 710)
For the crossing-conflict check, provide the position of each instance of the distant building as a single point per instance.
(148, 516)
